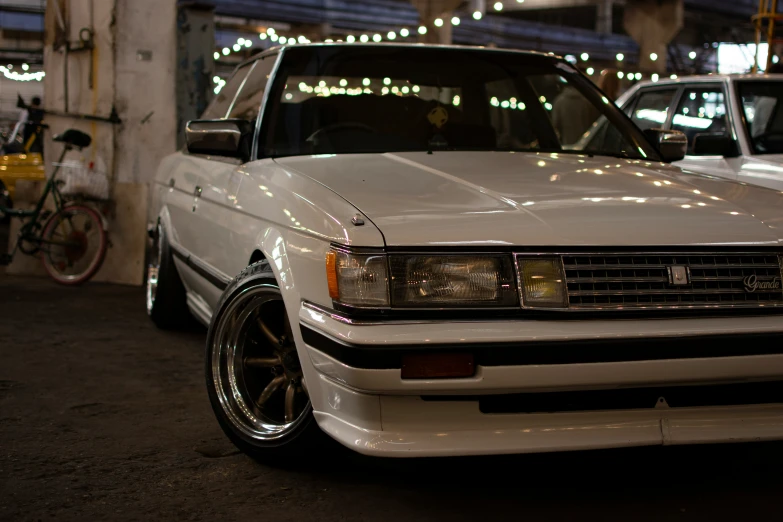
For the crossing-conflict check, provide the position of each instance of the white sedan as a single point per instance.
(734, 123)
(398, 245)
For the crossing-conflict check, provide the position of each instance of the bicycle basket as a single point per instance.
(79, 180)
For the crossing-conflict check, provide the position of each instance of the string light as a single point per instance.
(455, 20)
(216, 55)
(477, 15)
(422, 29)
(350, 38)
(391, 35)
(590, 71)
(585, 57)
(620, 57)
(692, 55)
(364, 38)
(653, 56)
(404, 32)
(377, 38)
(498, 6)
(22, 77)
(438, 22)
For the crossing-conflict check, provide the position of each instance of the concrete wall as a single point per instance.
(131, 69)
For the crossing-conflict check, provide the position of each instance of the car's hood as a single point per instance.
(537, 199)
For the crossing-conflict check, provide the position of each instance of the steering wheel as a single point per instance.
(762, 139)
(343, 125)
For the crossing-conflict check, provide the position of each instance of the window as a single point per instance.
(248, 101)
(219, 106)
(701, 111)
(364, 99)
(508, 115)
(652, 107)
(761, 103)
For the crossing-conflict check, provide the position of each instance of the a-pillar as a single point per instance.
(653, 24)
(429, 11)
(121, 55)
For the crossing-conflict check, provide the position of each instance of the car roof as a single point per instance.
(697, 78)
(279, 48)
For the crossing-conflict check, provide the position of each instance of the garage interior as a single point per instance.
(102, 416)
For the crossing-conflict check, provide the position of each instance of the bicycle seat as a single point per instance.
(74, 138)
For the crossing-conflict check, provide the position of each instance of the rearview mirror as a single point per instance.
(671, 144)
(714, 145)
(228, 137)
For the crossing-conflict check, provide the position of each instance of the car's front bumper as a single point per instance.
(367, 406)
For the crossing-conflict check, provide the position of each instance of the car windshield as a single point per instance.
(761, 103)
(362, 99)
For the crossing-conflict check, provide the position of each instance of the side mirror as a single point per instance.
(714, 145)
(228, 137)
(671, 144)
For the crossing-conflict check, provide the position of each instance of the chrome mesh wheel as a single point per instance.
(153, 269)
(255, 367)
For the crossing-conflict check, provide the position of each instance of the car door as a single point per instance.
(701, 111)
(189, 176)
(214, 210)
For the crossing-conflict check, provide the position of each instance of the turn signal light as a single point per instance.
(437, 365)
(331, 275)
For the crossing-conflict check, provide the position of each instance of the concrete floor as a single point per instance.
(103, 417)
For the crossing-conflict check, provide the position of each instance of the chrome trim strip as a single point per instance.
(211, 274)
(264, 101)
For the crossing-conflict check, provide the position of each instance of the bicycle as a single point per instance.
(72, 240)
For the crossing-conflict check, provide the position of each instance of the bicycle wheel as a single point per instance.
(73, 245)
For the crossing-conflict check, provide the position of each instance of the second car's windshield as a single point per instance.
(341, 99)
(762, 103)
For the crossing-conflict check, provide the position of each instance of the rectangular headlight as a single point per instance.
(452, 280)
(357, 279)
(542, 282)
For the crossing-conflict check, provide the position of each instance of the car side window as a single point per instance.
(248, 101)
(220, 105)
(652, 107)
(702, 110)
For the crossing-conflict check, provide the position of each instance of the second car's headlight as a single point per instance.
(451, 280)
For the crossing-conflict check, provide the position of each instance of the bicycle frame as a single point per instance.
(35, 213)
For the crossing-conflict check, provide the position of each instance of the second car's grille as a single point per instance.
(599, 281)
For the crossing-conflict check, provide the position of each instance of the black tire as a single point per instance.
(253, 298)
(165, 295)
(5, 202)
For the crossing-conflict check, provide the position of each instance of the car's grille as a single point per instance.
(634, 281)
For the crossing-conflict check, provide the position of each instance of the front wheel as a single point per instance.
(253, 373)
(73, 245)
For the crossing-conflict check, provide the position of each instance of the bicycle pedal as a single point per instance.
(5, 259)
